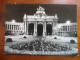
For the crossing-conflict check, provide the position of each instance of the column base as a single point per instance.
(35, 34)
(44, 35)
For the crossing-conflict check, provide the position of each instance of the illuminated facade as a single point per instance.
(39, 24)
(67, 29)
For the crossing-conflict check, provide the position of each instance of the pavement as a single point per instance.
(60, 39)
(47, 38)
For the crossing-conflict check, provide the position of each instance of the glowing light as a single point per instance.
(24, 16)
(13, 21)
(67, 22)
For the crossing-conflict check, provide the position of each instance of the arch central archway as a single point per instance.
(31, 29)
(39, 29)
(49, 29)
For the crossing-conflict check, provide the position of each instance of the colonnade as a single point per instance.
(11, 28)
(67, 29)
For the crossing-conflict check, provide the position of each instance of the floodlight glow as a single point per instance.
(67, 22)
(13, 21)
(24, 16)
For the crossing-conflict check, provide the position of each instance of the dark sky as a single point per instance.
(64, 12)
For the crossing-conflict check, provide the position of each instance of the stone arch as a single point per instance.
(31, 29)
(39, 29)
(49, 29)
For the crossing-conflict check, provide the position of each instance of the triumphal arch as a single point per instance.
(40, 23)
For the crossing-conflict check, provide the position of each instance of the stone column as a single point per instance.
(17, 27)
(35, 28)
(9, 28)
(27, 27)
(13, 28)
(53, 31)
(44, 28)
(25, 24)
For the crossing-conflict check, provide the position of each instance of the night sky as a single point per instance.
(64, 12)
